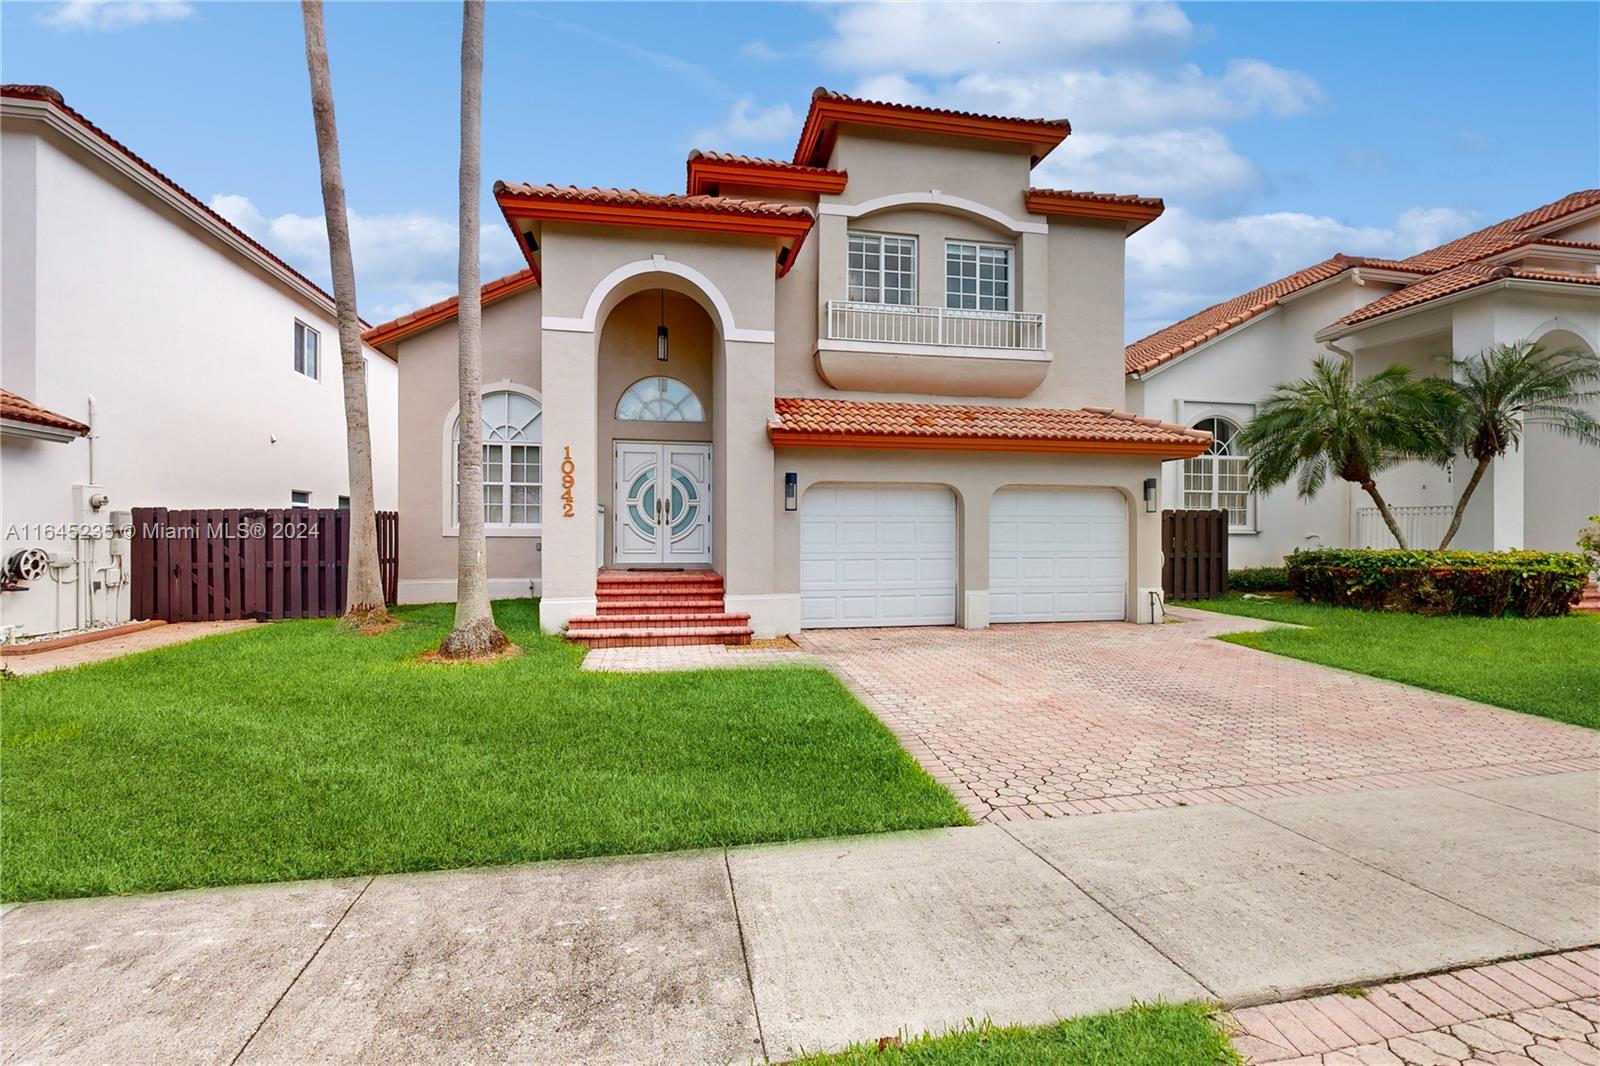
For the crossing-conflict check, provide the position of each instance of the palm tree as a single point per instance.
(475, 633)
(364, 607)
(1511, 386)
(1331, 423)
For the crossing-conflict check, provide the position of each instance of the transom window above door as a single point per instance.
(977, 277)
(882, 269)
(1219, 480)
(512, 475)
(660, 399)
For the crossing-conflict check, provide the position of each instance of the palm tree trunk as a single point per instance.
(1371, 488)
(475, 633)
(364, 606)
(1461, 504)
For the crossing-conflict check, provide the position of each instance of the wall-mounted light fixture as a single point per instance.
(791, 491)
(661, 331)
(1149, 495)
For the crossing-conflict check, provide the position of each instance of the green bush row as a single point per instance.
(1527, 583)
(1258, 579)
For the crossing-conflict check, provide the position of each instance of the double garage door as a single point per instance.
(887, 556)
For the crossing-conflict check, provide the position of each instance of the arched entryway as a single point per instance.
(1561, 476)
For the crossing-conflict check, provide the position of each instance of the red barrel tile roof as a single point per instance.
(18, 409)
(722, 205)
(444, 310)
(1450, 268)
(811, 420)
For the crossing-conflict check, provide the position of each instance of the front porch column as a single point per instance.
(571, 432)
(746, 479)
(1494, 518)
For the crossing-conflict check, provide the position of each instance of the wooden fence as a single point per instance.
(1195, 547)
(289, 562)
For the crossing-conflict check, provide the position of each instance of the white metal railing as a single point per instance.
(850, 320)
(1423, 526)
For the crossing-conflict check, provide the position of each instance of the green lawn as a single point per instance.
(293, 751)
(1544, 666)
(1151, 1035)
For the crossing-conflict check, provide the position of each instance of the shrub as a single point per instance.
(1526, 583)
(1259, 579)
(1589, 543)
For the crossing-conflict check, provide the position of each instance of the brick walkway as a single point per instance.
(1042, 720)
(1536, 1012)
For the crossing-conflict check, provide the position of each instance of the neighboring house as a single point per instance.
(153, 355)
(1535, 278)
(876, 385)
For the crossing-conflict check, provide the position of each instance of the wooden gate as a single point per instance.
(289, 562)
(1194, 545)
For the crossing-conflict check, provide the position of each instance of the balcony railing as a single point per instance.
(849, 320)
(1423, 526)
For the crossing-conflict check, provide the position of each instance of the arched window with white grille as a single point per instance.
(1219, 480)
(512, 475)
(659, 399)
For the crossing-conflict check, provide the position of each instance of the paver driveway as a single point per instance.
(1050, 719)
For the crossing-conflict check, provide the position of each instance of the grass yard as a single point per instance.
(1544, 666)
(1150, 1035)
(293, 751)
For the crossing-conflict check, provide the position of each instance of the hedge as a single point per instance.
(1527, 583)
(1258, 579)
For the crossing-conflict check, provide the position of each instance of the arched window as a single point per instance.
(659, 399)
(1219, 479)
(512, 482)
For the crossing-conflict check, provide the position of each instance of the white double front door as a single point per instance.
(662, 509)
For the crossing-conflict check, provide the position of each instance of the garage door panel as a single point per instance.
(875, 556)
(1057, 555)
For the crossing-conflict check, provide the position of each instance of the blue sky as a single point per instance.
(1278, 133)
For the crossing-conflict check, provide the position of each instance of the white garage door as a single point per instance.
(877, 556)
(1057, 555)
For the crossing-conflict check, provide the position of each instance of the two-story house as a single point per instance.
(880, 384)
(1534, 278)
(151, 354)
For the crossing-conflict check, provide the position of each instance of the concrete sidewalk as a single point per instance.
(731, 956)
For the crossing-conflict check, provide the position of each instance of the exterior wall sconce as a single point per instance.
(791, 491)
(661, 331)
(1149, 495)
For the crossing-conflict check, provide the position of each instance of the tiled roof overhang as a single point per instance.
(14, 408)
(820, 422)
(709, 171)
(1452, 282)
(830, 109)
(446, 309)
(787, 223)
(1138, 211)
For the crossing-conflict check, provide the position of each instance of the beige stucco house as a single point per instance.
(206, 375)
(1534, 278)
(880, 384)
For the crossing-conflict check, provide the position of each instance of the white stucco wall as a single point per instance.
(187, 352)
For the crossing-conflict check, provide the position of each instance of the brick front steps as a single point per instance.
(1589, 602)
(649, 608)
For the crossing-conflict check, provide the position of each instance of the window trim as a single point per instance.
(447, 468)
(298, 353)
(1252, 511)
(880, 237)
(978, 249)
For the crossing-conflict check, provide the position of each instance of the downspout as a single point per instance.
(91, 436)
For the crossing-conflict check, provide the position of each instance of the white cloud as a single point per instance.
(403, 261)
(746, 122)
(759, 49)
(1195, 165)
(1183, 262)
(111, 14)
(947, 39)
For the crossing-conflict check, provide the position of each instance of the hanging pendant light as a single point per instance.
(661, 331)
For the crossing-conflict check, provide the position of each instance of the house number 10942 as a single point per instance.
(568, 470)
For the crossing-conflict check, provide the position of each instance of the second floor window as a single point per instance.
(882, 269)
(977, 277)
(307, 349)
